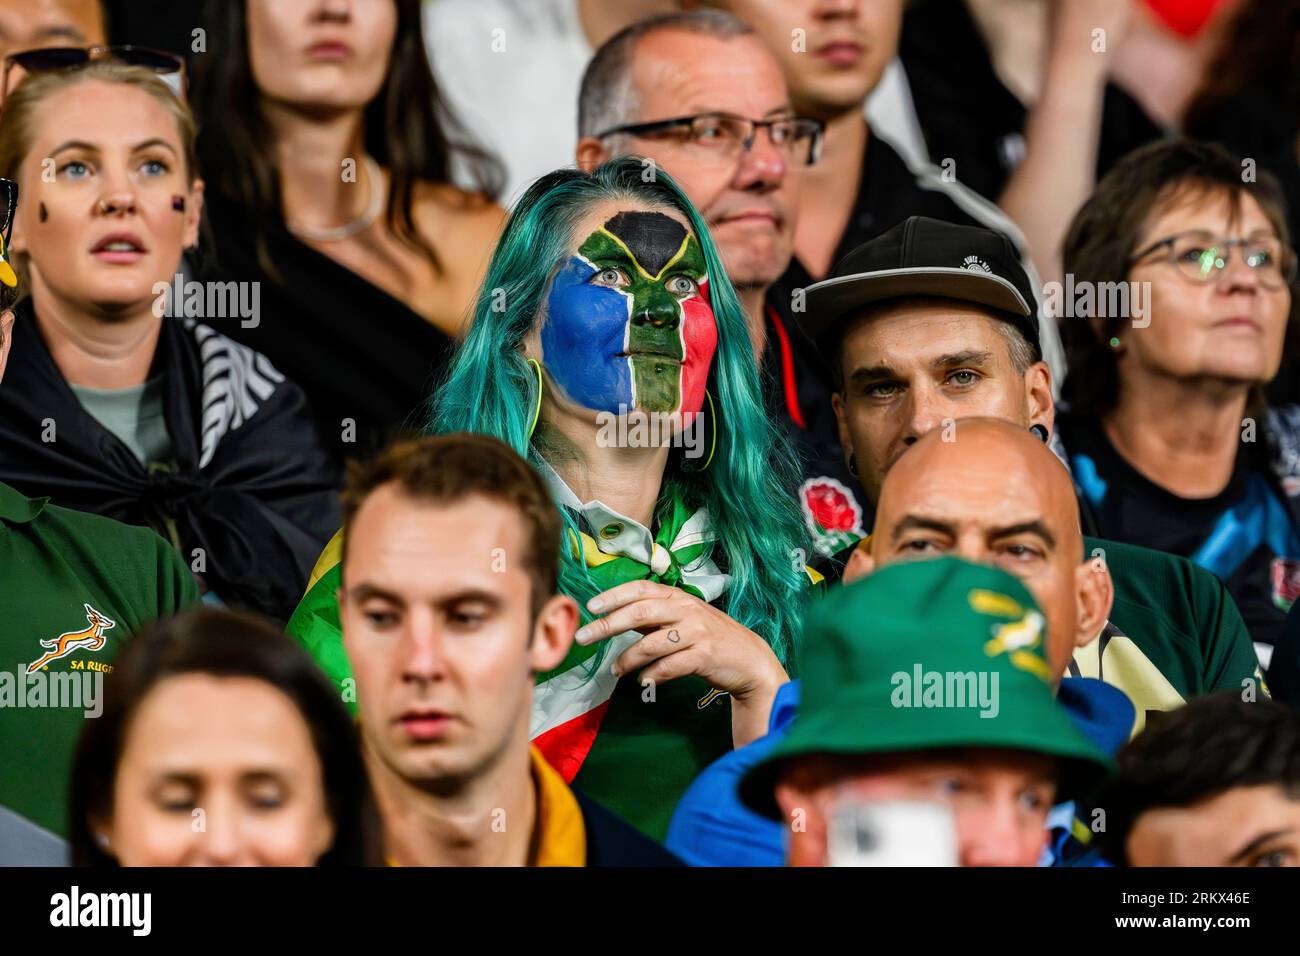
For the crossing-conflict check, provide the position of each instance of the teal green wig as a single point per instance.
(749, 486)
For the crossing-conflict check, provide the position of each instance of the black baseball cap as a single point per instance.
(924, 256)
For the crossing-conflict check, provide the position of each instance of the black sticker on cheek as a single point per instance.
(178, 203)
(44, 213)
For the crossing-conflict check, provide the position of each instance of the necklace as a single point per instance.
(364, 221)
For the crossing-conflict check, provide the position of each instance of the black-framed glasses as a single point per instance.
(1200, 258)
(168, 66)
(723, 137)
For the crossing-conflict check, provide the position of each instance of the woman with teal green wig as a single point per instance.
(608, 347)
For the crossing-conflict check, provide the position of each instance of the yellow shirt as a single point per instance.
(559, 834)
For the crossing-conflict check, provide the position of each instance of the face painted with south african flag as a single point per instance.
(628, 324)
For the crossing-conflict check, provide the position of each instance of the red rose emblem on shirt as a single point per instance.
(1286, 582)
(830, 506)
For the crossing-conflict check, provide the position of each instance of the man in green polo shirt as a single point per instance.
(73, 587)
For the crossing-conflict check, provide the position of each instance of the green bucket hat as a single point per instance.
(925, 655)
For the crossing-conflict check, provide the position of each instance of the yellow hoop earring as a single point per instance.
(532, 426)
(712, 425)
(713, 430)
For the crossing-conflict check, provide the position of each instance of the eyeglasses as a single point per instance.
(722, 137)
(169, 66)
(1202, 259)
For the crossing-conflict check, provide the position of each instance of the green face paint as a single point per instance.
(670, 336)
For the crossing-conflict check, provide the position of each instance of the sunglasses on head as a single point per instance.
(48, 59)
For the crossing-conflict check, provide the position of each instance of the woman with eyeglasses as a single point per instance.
(1176, 311)
(121, 398)
(329, 183)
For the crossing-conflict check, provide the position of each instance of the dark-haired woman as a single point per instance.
(1189, 271)
(220, 744)
(330, 188)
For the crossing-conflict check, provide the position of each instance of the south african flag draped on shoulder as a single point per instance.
(633, 749)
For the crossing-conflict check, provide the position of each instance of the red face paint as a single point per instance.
(700, 334)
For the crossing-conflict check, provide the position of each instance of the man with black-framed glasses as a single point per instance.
(723, 138)
(701, 97)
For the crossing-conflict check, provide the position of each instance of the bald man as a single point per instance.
(990, 492)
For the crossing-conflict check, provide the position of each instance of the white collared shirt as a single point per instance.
(618, 535)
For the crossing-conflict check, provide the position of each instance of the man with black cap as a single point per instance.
(929, 322)
(932, 322)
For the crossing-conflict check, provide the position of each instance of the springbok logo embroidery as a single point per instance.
(89, 638)
(1020, 639)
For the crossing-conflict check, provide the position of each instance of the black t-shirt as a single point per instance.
(1244, 535)
(367, 362)
(969, 116)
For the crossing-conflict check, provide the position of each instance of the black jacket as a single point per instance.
(249, 482)
(611, 842)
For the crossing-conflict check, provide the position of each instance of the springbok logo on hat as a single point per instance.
(1018, 638)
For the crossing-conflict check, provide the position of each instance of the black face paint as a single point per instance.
(651, 237)
(44, 213)
(178, 203)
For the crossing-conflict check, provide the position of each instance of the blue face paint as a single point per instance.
(584, 339)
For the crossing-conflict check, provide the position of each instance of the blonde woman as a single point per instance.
(114, 407)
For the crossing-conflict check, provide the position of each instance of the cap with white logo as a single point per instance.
(925, 257)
